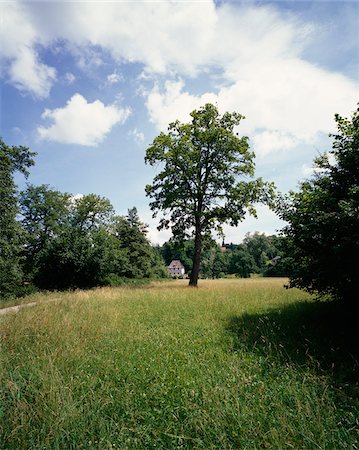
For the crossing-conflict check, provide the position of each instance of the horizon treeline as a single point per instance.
(68, 242)
(257, 254)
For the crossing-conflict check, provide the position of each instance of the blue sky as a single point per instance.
(88, 85)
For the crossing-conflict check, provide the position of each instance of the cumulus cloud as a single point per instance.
(177, 35)
(272, 141)
(285, 102)
(20, 60)
(172, 103)
(255, 50)
(308, 171)
(81, 122)
(75, 198)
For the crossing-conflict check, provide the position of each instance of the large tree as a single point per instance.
(44, 216)
(143, 260)
(323, 230)
(69, 242)
(200, 181)
(12, 159)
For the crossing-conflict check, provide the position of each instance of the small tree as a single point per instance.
(323, 230)
(199, 184)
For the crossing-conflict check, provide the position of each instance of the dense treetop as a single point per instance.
(323, 230)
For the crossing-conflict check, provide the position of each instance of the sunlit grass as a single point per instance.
(167, 366)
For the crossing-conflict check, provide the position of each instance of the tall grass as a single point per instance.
(233, 364)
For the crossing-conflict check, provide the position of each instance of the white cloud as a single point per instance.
(69, 78)
(158, 237)
(272, 141)
(19, 58)
(288, 100)
(173, 103)
(75, 198)
(308, 171)
(80, 122)
(137, 135)
(27, 73)
(255, 50)
(114, 78)
(162, 35)
(17, 131)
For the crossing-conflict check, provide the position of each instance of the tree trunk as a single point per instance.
(197, 256)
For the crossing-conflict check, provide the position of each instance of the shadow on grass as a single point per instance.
(321, 335)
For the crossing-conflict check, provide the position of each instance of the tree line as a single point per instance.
(53, 240)
(257, 254)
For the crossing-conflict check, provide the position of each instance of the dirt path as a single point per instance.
(15, 309)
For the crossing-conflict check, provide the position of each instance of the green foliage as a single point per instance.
(268, 253)
(45, 214)
(67, 244)
(200, 182)
(76, 259)
(258, 253)
(214, 262)
(242, 263)
(281, 268)
(143, 260)
(323, 230)
(75, 243)
(12, 159)
(184, 251)
(91, 212)
(261, 248)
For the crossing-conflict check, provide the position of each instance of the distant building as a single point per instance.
(176, 267)
(274, 261)
(224, 247)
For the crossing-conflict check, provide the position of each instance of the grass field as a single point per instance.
(235, 364)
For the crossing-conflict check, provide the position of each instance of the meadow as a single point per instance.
(234, 364)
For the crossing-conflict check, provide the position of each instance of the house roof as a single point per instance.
(176, 263)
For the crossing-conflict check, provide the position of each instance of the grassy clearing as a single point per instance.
(233, 364)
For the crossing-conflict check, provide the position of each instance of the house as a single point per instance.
(274, 261)
(176, 267)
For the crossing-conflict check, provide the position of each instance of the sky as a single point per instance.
(88, 85)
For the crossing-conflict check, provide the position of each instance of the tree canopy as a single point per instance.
(12, 159)
(323, 230)
(205, 178)
(54, 240)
